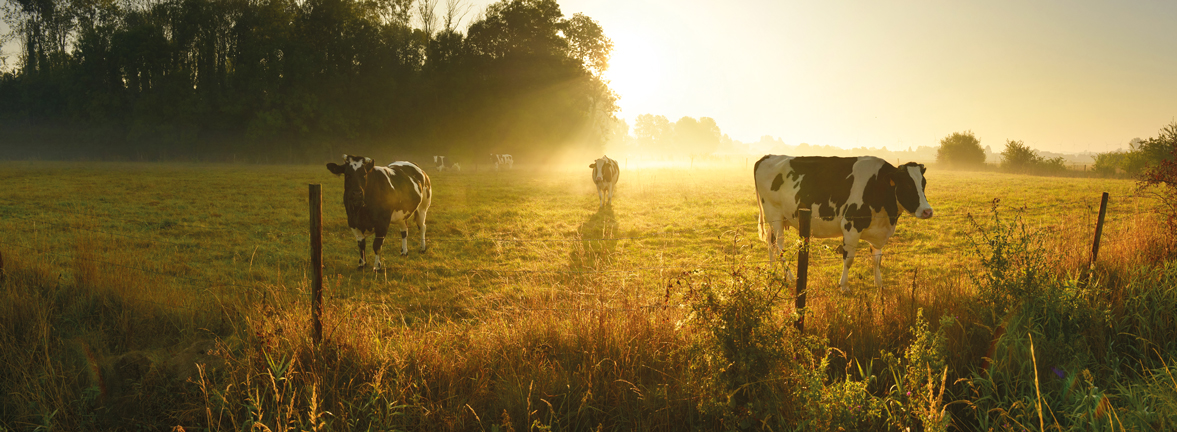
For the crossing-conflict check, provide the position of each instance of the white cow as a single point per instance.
(502, 159)
(605, 173)
(853, 197)
(444, 163)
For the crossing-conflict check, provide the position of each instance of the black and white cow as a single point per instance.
(853, 197)
(443, 163)
(376, 196)
(605, 173)
(502, 159)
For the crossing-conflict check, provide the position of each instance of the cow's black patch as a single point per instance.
(905, 188)
(879, 195)
(610, 172)
(825, 181)
(777, 182)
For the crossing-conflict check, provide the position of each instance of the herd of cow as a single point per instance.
(857, 198)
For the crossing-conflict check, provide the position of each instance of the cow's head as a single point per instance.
(599, 168)
(355, 171)
(909, 183)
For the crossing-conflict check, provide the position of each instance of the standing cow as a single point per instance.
(502, 159)
(376, 196)
(853, 197)
(605, 175)
(443, 163)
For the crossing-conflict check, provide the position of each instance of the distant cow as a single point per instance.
(853, 197)
(502, 159)
(605, 175)
(444, 163)
(376, 196)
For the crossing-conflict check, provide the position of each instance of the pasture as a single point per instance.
(526, 295)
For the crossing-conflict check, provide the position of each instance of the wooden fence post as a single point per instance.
(802, 266)
(316, 199)
(1103, 209)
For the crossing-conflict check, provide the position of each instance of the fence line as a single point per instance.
(735, 262)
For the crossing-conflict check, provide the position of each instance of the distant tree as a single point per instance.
(696, 136)
(1018, 157)
(1108, 164)
(961, 150)
(1142, 154)
(653, 132)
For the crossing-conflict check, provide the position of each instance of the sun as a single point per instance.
(635, 69)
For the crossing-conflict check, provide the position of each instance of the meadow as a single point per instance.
(532, 310)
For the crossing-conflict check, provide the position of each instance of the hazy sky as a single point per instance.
(1060, 75)
(1072, 75)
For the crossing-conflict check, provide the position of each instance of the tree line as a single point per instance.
(303, 79)
(963, 150)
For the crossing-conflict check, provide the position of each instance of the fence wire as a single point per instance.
(820, 255)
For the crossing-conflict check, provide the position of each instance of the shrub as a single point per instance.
(960, 150)
(1143, 156)
(746, 349)
(1020, 158)
(1162, 179)
(1108, 164)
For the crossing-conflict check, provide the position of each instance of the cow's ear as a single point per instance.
(593, 165)
(923, 169)
(335, 169)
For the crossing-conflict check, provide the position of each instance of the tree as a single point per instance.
(961, 150)
(1018, 157)
(1142, 154)
(653, 132)
(696, 136)
(1107, 164)
(1163, 176)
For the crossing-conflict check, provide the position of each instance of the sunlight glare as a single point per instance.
(635, 68)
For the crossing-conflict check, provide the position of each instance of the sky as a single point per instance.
(1062, 76)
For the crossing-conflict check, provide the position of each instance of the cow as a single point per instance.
(444, 163)
(853, 197)
(502, 159)
(605, 173)
(377, 196)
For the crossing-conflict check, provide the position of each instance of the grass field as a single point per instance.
(531, 309)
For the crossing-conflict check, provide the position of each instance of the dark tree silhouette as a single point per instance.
(299, 80)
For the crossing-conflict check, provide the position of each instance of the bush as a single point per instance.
(1162, 178)
(1142, 156)
(960, 150)
(1108, 164)
(746, 350)
(1020, 158)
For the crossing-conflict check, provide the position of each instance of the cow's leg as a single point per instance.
(381, 231)
(776, 245)
(360, 242)
(421, 226)
(611, 186)
(849, 244)
(404, 237)
(876, 245)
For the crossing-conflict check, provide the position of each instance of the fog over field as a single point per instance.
(201, 205)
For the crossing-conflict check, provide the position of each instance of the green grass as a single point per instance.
(529, 303)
